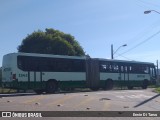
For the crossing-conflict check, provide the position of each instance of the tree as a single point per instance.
(51, 42)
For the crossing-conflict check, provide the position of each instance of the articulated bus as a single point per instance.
(48, 73)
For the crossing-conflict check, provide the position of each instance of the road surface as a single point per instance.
(115, 100)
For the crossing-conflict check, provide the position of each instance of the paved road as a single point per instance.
(116, 100)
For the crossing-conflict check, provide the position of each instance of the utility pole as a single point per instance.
(157, 66)
(111, 51)
(157, 74)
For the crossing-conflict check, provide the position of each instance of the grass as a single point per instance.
(157, 90)
(5, 90)
(152, 86)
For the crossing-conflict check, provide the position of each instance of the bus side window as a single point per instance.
(77, 65)
(146, 69)
(134, 69)
(103, 68)
(106, 67)
(122, 69)
(60, 65)
(115, 68)
(152, 72)
(126, 69)
(130, 69)
(20, 63)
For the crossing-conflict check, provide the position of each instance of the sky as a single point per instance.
(95, 24)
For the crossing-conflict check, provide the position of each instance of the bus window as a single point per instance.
(122, 68)
(115, 68)
(152, 72)
(103, 68)
(125, 68)
(78, 65)
(130, 69)
(146, 69)
(20, 63)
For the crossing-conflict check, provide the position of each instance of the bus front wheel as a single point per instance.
(51, 86)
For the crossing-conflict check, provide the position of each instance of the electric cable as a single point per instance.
(141, 43)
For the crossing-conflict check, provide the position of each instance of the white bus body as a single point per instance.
(43, 72)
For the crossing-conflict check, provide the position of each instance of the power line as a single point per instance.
(149, 3)
(124, 57)
(132, 59)
(141, 43)
(140, 5)
(145, 31)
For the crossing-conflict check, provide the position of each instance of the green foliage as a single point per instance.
(51, 42)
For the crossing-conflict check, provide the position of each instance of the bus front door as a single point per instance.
(124, 76)
(34, 80)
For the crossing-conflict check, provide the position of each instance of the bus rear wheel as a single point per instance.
(109, 84)
(94, 88)
(38, 91)
(145, 84)
(130, 87)
(51, 86)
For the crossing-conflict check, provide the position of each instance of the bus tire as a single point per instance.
(145, 84)
(38, 91)
(51, 86)
(130, 87)
(94, 88)
(109, 84)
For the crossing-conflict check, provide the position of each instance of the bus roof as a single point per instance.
(125, 61)
(77, 57)
(47, 55)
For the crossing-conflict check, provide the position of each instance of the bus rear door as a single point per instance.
(124, 76)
